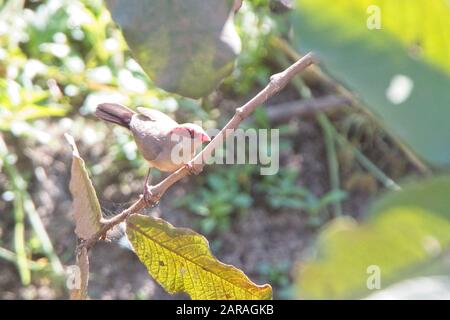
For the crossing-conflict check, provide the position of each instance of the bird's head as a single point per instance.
(192, 131)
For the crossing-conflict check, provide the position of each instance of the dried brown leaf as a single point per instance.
(86, 208)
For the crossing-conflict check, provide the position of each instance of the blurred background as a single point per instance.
(372, 116)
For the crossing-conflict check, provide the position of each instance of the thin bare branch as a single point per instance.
(277, 82)
(288, 110)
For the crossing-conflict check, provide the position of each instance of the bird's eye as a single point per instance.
(191, 132)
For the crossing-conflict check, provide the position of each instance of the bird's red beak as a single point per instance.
(205, 138)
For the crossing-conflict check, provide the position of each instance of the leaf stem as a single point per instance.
(19, 240)
(10, 256)
(333, 164)
(41, 233)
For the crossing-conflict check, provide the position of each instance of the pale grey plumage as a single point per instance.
(152, 131)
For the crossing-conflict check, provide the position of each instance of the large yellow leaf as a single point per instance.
(86, 208)
(421, 26)
(181, 261)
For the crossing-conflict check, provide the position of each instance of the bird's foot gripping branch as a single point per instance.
(178, 258)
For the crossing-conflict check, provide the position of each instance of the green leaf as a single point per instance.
(33, 105)
(401, 71)
(86, 208)
(332, 197)
(185, 46)
(408, 234)
(181, 261)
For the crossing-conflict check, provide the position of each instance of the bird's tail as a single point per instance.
(115, 113)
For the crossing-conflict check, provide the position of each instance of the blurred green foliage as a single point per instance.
(400, 68)
(285, 193)
(278, 275)
(220, 193)
(407, 235)
(227, 192)
(255, 26)
(58, 56)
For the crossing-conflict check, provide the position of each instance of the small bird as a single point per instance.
(155, 134)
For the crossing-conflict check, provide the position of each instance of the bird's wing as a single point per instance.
(147, 134)
(151, 148)
(156, 115)
(150, 131)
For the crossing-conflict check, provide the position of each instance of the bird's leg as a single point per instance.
(149, 197)
(148, 177)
